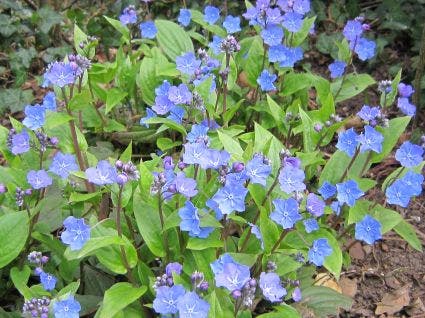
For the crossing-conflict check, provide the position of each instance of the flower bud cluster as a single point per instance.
(37, 307)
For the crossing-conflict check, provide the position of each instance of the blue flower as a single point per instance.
(233, 276)
(232, 24)
(370, 140)
(301, 6)
(184, 17)
(148, 29)
(63, 164)
(162, 105)
(34, 117)
(336, 207)
(286, 57)
(231, 198)
(59, 74)
(405, 90)
(337, 68)
(348, 192)
(273, 16)
(365, 49)
(405, 106)
(180, 94)
(409, 155)
(214, 159)
(103, 174)
(162, 90)
(315, 205)
(149, 114)
(286, 212)
(266, 80)
(39, 179)
(368, 230)
(198, 133)
(272, 35)
(128, 15)
(257, 170)
(271, 287)
(311, 225)
(368, 113)
(193, 152)
(173, 268)
(214, 206)
(327, 190)
(291, 179)
(211, 14)
(217, 265)
(176, 114)
(398, 193)
(192, 306)
(187, 63)
(167, 298)
(277, 53)
(352, 30)
(185, 186)
(190, 221)
(256, 231)
(292, 21)
(296, 294)
(215, 45)
(49, 101)
(67, 308)
(319, 251)
(48, 281)
(76, 233)
(413, 182)
(20, 143)
(236, 178)
(347, 142)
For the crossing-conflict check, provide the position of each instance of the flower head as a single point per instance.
(347, 142)
(193, 152)
(413, 182)
(49, 101)
(315, 205)
(368, 230)
(192, 306)
(271, 287)
(311, 225)
(20, 143)
(370, 140)
(405, 106)
(104, 173)
(187, 63)
(48, 281)
(34, 117)
(337, 68)
(214, 159)
(368, 113)
(286, 212)
(67, 308)
(198, 133)
(405, 90)
(409, 155)
(59, 74)
(292, 21)
(352, 30)
(184, 17)
(148, 29)
(266, 80)
(232, 24)
(215, 45)
(327, 190)
(291, 179)
(211, 14)
(167, 298)
(173, 268)
(180, 94)
(256, 231)
(348, 192)
(233, 276)
(76, 233)
(185, 186)
(319, 251)
(39, 179)
(272, 35)
(63, 165)
(149, 114)
(365, 49)
(128, 15)
(258, 170)
(231, 198)
(190, 221)
(162, 105)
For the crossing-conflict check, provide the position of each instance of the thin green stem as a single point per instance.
(164, 234)
(353, 159)
(277, 244)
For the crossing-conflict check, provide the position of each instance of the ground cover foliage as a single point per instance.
(203, 169)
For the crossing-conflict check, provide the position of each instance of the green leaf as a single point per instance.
(71, 288)
(283, 310)
(307, 125)
(167, 122)
(407, 231)
(220, 304)
(269, 230)
(54, 119)
(82, 197)
(198, 18)
(165, 144)
(231, 145)
(14, 229)
(14, 99)
(149, 225)
(20, 280)
(322, 301)
(172, 39)
(48, 18)
(353, 85)
(118, 297)
(92, 245)
(125, 32)
(253, 53)
(300, 36)
(213, 240)
(80, 36)
(392, 133)
(113, 97)
(126, 155)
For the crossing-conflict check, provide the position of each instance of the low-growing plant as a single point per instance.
(254, 183)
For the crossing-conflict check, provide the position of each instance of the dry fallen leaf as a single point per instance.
(394, 301)
(324, 279)
(348, 286)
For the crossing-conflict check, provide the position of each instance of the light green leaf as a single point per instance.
(113, 97)
(92, 245)
(172, 39)
(125, 32)
(407, 231)
(231, 145)
(54, 119)
(118, 297)
(353, 85)
(169, 123)
(20, 280)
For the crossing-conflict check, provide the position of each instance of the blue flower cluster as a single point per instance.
(403, 101)
(363, 47)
